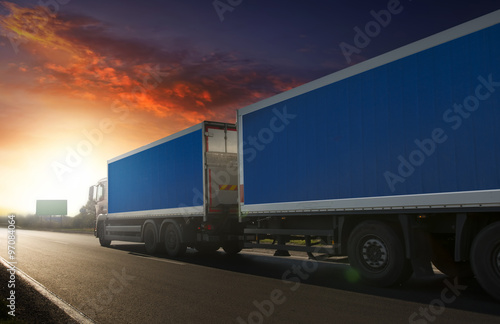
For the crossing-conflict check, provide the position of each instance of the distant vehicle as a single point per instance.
(394, 162)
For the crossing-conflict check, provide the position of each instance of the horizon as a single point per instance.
(82, 83)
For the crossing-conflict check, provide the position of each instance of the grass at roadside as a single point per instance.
(64, 230)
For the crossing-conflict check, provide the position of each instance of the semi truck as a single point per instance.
(393, 162)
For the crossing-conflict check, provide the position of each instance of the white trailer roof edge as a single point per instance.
(461, 30)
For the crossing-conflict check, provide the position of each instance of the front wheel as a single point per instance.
(485, 259)
(377, 253)
(100, 234)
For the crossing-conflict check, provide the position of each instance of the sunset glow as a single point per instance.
(62, 84)
(81, 83)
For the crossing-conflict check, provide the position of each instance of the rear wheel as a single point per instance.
(485, 259)
(377, 253)
(173, 245)
(150, 239)
(100, 234)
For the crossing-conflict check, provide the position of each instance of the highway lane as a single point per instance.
(122, 285)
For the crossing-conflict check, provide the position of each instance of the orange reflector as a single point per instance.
(228, 187)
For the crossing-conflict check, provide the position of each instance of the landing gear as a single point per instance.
(207, 248)
(232, 247)
(443, 252)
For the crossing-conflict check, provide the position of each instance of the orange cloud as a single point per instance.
(93, 65)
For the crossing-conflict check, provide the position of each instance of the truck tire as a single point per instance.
(376, 252)
(150, 239)
(173, 245)
(485, 259)
(100, 234)
(443, 258)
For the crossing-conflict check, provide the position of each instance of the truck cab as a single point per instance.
(98, 194)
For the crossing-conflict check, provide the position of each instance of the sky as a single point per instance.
(82, 82)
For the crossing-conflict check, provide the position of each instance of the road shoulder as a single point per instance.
(31, 306)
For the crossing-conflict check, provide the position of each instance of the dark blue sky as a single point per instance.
(300, 37)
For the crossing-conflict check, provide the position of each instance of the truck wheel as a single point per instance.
(377, 253)
(150, 240)
(173, 244)
(232, 248)
(443, 252)
(485, 259)
(100, 234)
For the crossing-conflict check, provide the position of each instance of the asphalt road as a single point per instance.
(121, 285)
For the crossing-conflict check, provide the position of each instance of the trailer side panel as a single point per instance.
(164, 176)
(419, 131)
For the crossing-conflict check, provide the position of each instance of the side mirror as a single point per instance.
(91, 193)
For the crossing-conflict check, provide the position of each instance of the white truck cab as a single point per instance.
(99, 195)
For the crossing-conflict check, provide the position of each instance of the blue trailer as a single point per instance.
(393, 162)
(414, 128)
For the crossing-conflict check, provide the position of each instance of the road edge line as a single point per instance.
(69, 309)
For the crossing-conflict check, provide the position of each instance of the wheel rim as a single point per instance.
(374, 253)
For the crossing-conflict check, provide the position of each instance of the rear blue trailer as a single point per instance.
(394, 162)
(414, 128)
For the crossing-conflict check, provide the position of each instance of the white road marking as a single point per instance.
(74, 313)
